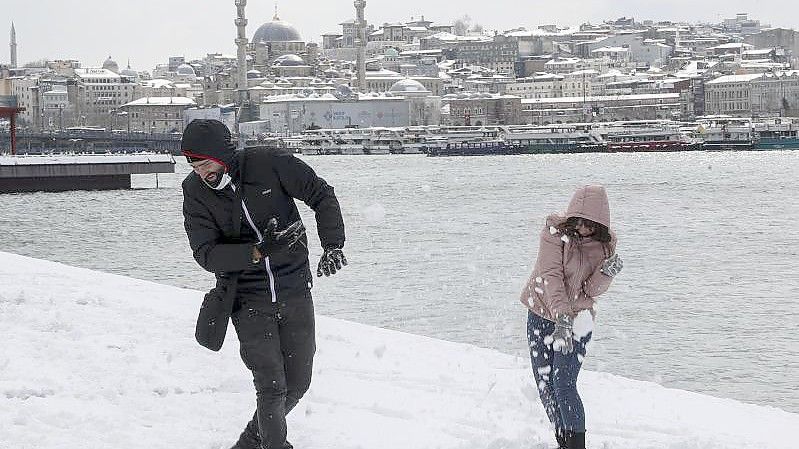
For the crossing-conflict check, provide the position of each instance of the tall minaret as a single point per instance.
(241, 44)
(360, 43)
(13, 46)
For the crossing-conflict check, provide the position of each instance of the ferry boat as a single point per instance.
(649, 139)
(569, 138)
(776, 134)
(475, 147)
(724, 133)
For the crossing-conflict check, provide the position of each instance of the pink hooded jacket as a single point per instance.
(567, 277)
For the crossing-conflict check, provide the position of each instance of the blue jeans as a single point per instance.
(556, 375)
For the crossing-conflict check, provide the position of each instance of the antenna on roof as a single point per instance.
(276, 17)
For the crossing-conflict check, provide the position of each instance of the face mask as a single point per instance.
(222, 182)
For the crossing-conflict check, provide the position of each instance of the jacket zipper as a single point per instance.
(266, 257)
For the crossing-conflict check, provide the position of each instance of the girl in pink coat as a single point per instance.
(576, 262)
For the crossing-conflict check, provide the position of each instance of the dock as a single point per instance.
(64, 172)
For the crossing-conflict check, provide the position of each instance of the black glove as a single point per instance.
(331, 261)
(278, 241)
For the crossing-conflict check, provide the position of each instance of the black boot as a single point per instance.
(249, 439)
(575, 440)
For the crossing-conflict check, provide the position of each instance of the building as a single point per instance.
(100, 94)
(547, 111)
(729, 95)
(154, 114)
(274, 39)
(541, 86)
(776, 94)
(293, 114)
(425, 107)
(498, 53)
(483, 109)
(383, 80)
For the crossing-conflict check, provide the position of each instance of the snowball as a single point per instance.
(565, 238)
(583, 324)
(539, 291)
(553, 230)
(539, 280)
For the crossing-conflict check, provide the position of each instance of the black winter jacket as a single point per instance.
(272, 179)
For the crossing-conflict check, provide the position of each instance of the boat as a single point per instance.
(474, 147)
(776, 134)
(574, 138)
(725, 133)
(649, 139)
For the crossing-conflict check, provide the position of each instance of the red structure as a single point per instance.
(9, 110)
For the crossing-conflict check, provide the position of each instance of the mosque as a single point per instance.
(277, 45)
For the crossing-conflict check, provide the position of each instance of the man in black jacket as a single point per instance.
(273, 311)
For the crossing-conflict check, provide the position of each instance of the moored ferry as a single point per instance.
(567, 138)
(776, 134)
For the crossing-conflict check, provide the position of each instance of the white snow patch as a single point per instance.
(94, 361)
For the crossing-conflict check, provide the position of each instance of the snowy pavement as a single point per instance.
(92, 360)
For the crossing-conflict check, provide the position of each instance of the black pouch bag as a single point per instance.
(218, 302)
(214, 316)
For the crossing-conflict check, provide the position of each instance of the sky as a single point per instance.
(147, 32)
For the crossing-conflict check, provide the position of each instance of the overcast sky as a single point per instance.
(149, 31)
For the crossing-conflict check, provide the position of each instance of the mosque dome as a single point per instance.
(391, 52)
(185, 70)
(289, 60)
(408, 85)
(276, 31)
(254, 74)
(111, 65)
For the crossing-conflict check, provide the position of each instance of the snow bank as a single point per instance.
(92, 360)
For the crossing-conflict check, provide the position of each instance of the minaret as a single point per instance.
(360, 43)
(241, 44)
(13, 46)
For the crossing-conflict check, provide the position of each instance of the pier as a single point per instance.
(57, 173)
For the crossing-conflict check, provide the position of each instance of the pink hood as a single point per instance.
(590, 202)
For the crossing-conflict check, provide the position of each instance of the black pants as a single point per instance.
(277, 344)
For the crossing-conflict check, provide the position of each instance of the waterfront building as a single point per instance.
(153, 114)
(729, 95)
(292, 114)
(100, 93)
(478, 109)
(546, 111)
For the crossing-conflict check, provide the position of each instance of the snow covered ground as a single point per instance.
(92, 360)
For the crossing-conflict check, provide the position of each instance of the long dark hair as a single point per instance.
(601, 232)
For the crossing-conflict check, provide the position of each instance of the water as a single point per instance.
(707, 300)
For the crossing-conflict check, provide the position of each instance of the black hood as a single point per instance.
(208, 139)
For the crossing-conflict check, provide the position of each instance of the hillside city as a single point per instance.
(420, 72)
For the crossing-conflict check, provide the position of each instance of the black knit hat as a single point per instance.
(207, 139)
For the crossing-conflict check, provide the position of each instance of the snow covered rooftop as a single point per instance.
(94, 73)
(735, 78)
(732, 45)
(605, 98)
(162, 101)
(79, 159)
(611, 50)
(157, 83)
